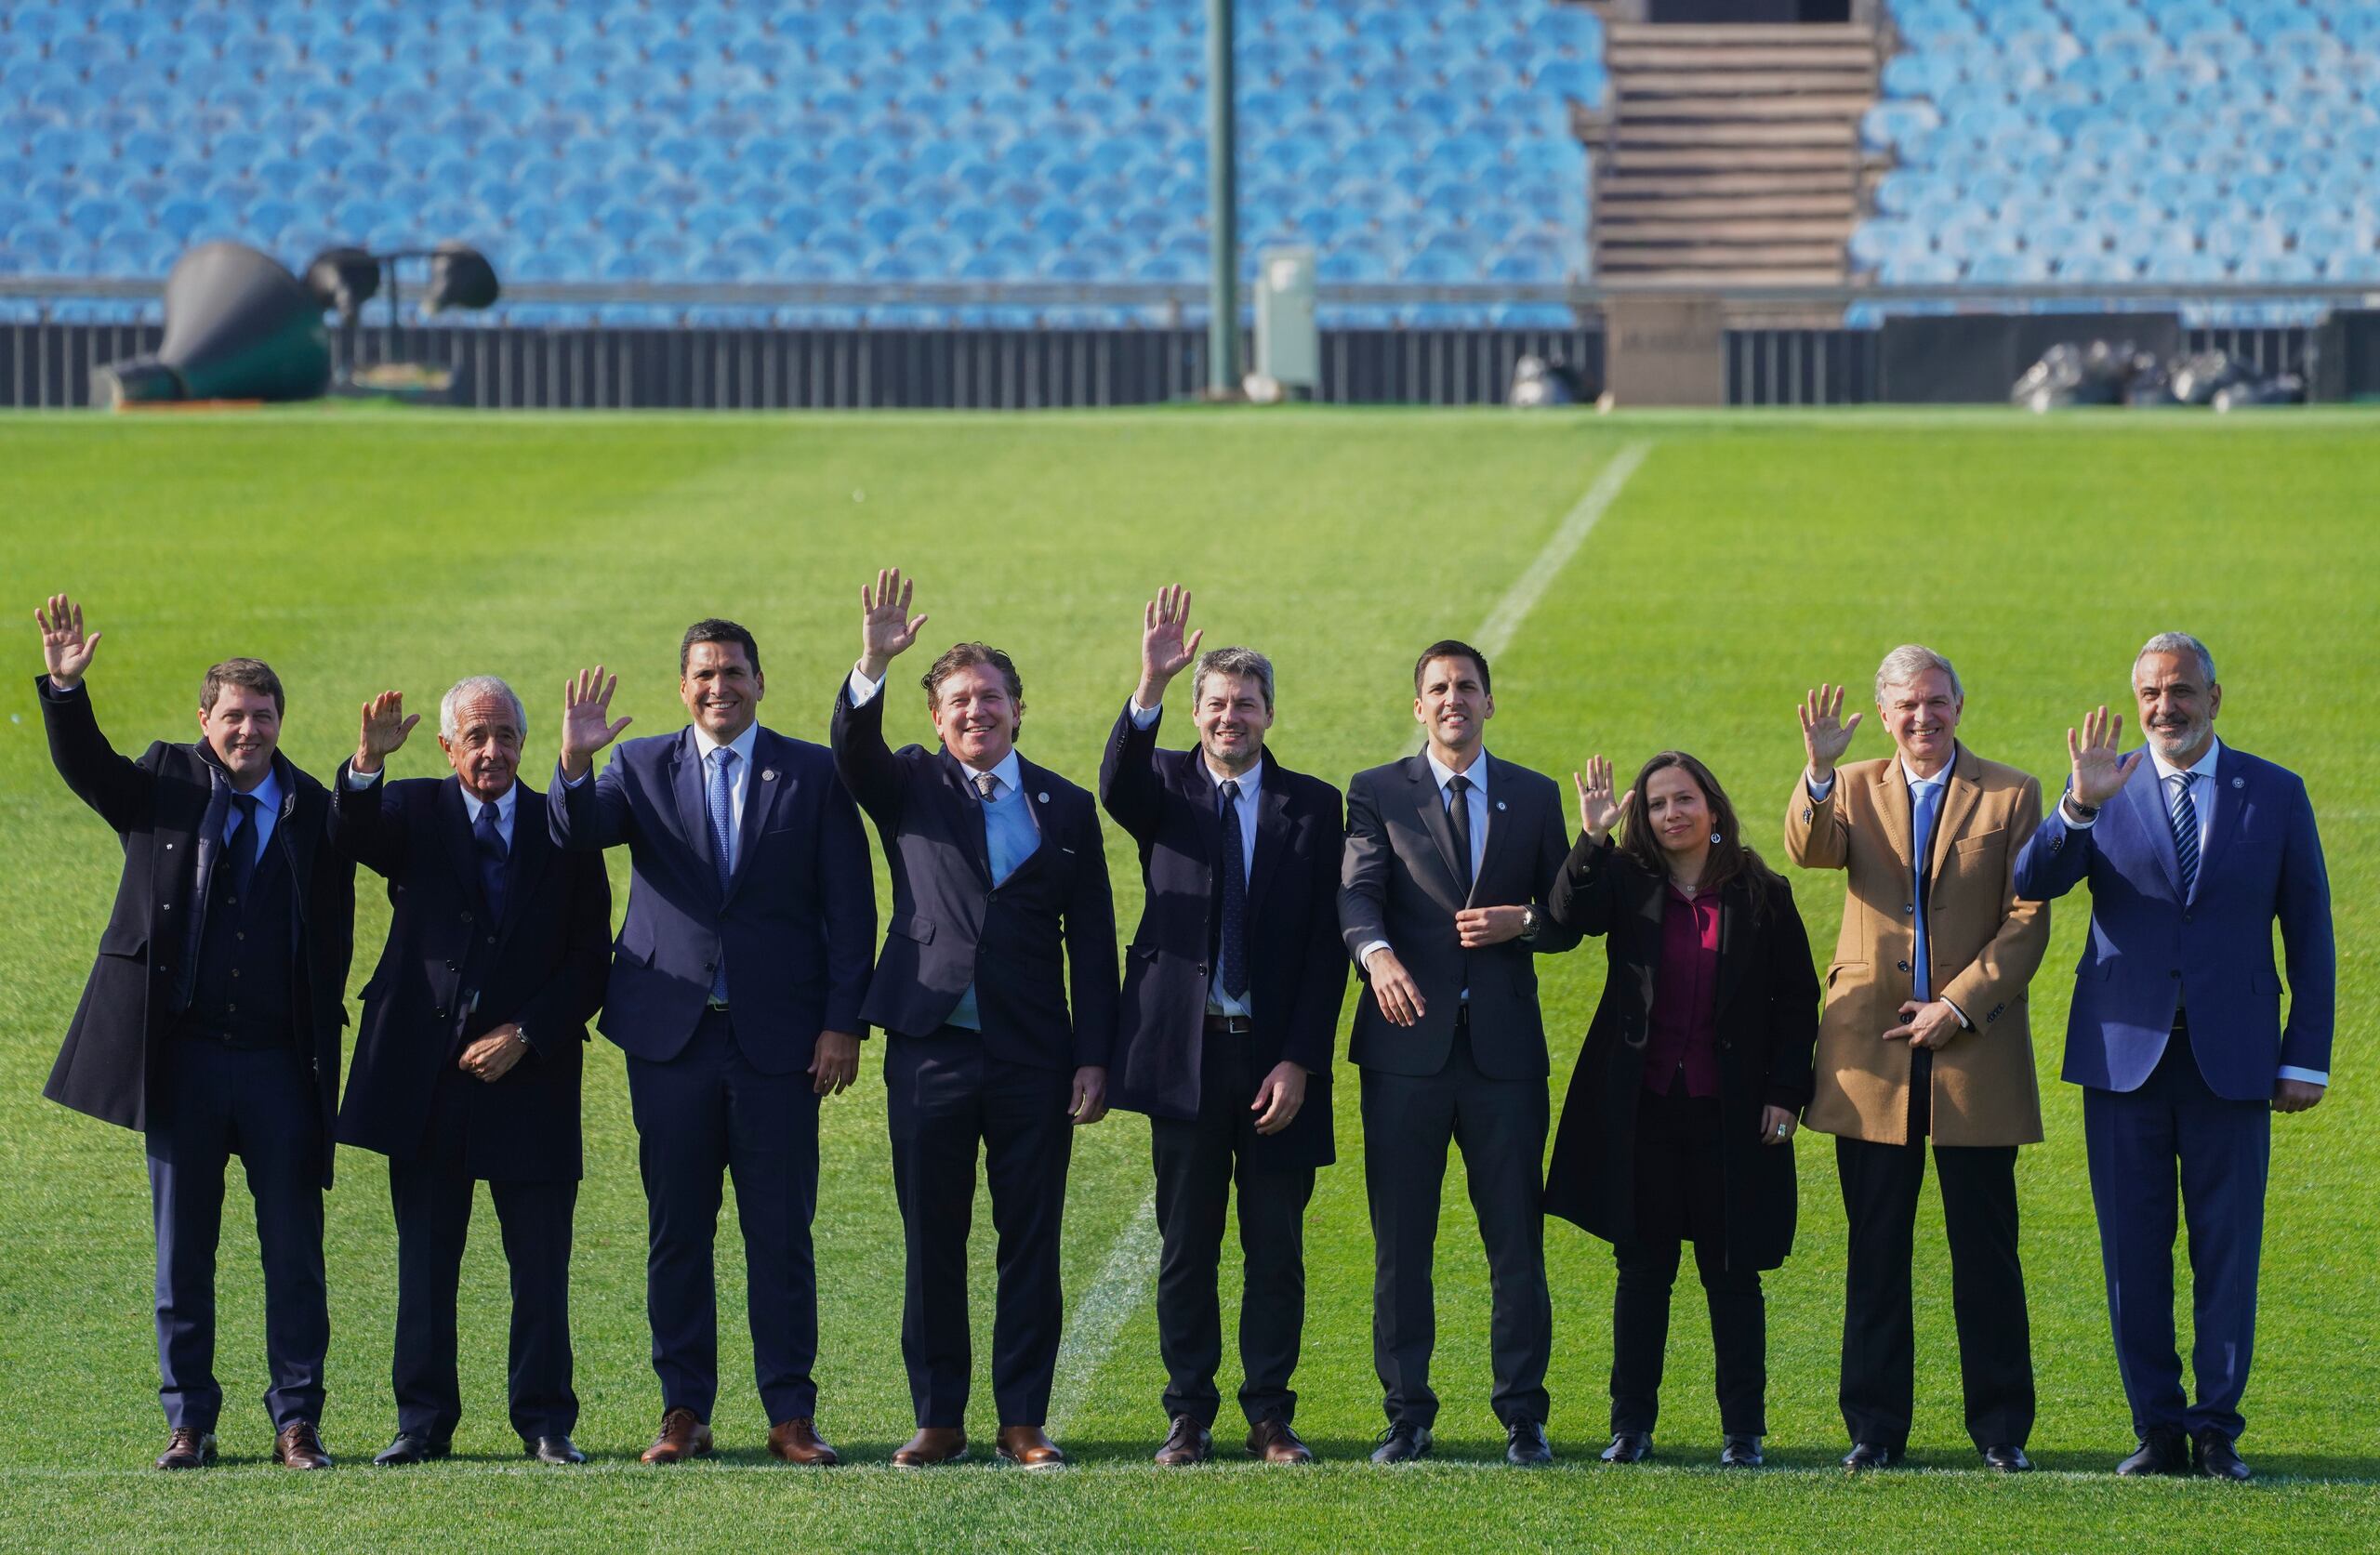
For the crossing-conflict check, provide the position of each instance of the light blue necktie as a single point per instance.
(1925, 803)
(723, 843)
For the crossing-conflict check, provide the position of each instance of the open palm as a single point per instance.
(65, 652)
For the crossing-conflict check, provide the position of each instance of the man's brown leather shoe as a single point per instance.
(300, 1446)
(1027, 1448)
(681, 1437)
(188, 1447)
(1186, 1444)
(1272, 1439)
(933, 1445)
(798, 1442)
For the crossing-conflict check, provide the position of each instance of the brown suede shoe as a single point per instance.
(188, 1447)
(798, 1440)
(681, 1437)
(300, 1446)
(1027, 1448)
(1272, 1439)
(933, 1445)
(1186, 1444)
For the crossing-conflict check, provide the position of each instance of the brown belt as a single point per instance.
(1230, 1025)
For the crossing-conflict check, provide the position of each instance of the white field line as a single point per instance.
(1129, 1274)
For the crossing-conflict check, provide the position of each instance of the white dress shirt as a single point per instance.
(1252, 786)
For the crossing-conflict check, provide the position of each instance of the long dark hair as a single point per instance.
(1731, 857)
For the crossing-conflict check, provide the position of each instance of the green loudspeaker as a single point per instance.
(238, 326)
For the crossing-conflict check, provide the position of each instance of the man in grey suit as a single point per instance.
(1449, 855)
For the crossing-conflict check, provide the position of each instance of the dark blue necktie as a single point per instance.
(245, 846)
(488, 843)
(1234, 925)
(2185, 818)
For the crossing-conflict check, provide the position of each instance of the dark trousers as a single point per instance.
(2138, 1141)
(1198, 1162)
(1681, 1195)
(705, 1113)
(259, 1103)
(432, 1197)
(943, 1096)
(1879, 1187)
(1499, 1126)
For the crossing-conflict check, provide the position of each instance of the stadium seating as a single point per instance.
(2129, 140)
(795, 140)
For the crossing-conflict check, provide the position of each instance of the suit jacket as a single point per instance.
(1297, 979)
(1765, 1015)
(1983, 943)
(2152, 951)
(1397, 883)
(1048, 928)
(452, 971)
(167, 809)
(795, 920)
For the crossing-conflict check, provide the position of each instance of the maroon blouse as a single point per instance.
(1684, 1023)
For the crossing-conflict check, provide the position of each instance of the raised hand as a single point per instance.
(384, 730)
(2099, 774)
(65, 652)
(886, 627)
(1598, 809)
(586, 725)
(1165, 652)
(1824, 734)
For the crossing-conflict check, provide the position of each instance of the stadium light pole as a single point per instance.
(1222, 208)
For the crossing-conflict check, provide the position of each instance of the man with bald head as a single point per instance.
(467, 1066)
(2194, 851)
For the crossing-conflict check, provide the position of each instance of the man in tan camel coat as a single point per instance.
(1925, 1036)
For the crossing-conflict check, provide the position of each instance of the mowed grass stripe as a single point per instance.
(1754, 554)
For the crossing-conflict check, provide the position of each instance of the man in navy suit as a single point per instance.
(1000, 908)
(467, 1066)
(735, 989)
(2175, 1033)
(212, 1016)
(1232, 990)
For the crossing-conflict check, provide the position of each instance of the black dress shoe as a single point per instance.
(1525, 1447)
(552, 1449)
(2213, 1457)
(1629, 1446)
(1871, 1454)
(410, 1447)
(2008, 1459)
(1403, 1442)
(2159, 1451)
(1740, 1452)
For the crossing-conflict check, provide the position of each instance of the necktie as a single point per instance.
(1925, 804)
(1233, 933)
(1459, 818)
(2185, 817)
(244, 849)
(488, 843)
(723, 843)
(987, 785)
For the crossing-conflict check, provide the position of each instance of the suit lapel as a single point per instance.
(2143, 796)
(1272, 831)
(760, 785)
(1958, 803)
(455, 831)
(1429, 801)
(1892, 808)
(2228, 795)
(532, 851)
(693, 814)
(1502, 821)
(973, 823)
(1736, 941)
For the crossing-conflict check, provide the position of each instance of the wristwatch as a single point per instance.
(1531, 921)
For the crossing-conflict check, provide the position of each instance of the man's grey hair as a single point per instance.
(477, 685)
(2179, 642)
(1906, 663)
(1233, 661)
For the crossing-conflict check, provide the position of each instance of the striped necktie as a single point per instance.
(2185, 818)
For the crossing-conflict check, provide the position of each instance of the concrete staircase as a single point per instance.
(1728, 155)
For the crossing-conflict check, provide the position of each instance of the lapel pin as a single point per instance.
(1500, 804)
(1043, 796)
(768, 774)
(2238, 782)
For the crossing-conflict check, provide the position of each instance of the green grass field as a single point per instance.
(1747, 557)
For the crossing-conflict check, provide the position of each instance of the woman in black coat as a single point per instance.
(1681, 1114)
